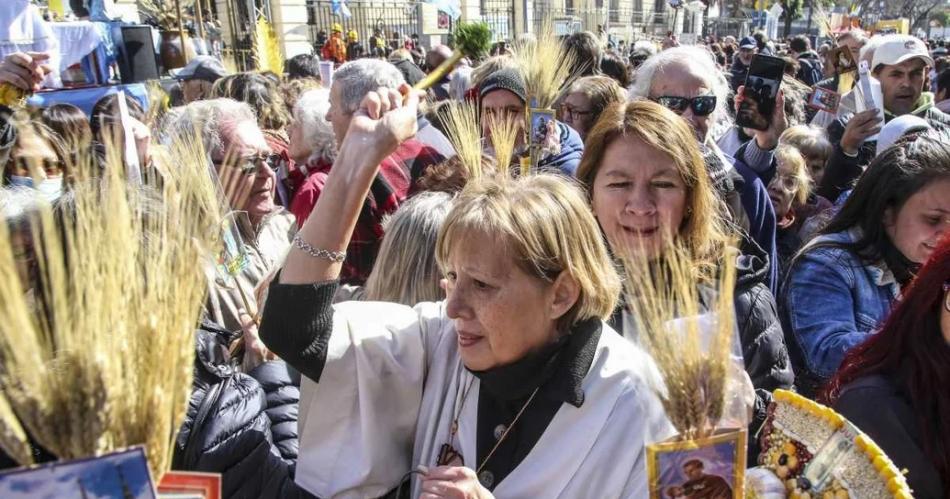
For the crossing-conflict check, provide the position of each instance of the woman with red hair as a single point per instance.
(894, 386)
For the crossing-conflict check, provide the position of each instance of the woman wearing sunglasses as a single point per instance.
(512, 387)
(841, 285)
(687, 81)
(648, 187)
(260, 230)
(893, 386)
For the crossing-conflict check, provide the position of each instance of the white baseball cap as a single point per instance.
(897, 128)
(895, 49)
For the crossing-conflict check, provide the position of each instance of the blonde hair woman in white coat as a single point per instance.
(512, 387)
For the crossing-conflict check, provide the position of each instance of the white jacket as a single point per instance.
(389, 391)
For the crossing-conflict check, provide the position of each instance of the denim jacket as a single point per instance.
(832, 299)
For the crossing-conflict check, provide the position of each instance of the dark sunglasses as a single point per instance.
(703, 105)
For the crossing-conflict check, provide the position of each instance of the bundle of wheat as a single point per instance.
(464, 132)
(267, 54)
(692, 354)
(547, 65)
(97, 350)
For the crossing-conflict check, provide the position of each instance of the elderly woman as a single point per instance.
(313, 149)
(486, 390)
(687, 81)
(241, 157)
(648, 188)
(586, 100)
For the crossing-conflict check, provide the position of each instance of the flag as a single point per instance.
(339, 8)
(450, 7)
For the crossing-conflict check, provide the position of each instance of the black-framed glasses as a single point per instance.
(703, 105)
(573, 112)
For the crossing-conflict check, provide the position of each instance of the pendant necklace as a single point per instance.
(448, 454)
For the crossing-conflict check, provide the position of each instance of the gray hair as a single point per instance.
(460, 83)
(700, 61)
(406, 270)
(360, 77)
(211, 119)
(310, 114)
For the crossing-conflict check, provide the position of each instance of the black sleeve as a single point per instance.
(842, 170)
(763, 342)
(297, 322)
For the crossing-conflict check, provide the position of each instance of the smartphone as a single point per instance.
(757, 101)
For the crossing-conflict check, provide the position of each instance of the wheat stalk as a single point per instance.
(547, 66)
(267, 54)
(101, 358)
(665, 302)
(463, 130)
(504, 135)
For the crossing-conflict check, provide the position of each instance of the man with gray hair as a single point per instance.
(397, 173)
(687, 81)
(244, 164)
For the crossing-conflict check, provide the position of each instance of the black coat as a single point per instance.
(880, 406)
(243, 426)
(760, 334)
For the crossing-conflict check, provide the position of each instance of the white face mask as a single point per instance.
(51, 188)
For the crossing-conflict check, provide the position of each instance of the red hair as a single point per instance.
(911, 342)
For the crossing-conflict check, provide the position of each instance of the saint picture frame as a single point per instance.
(708, 468)
(539, 126)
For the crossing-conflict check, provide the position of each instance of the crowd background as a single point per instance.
(836, 218)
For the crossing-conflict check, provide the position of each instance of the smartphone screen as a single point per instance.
(757, 101)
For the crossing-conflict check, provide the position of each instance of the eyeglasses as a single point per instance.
(249, 165)
(785, 182)
(703, 105)
(573, 112)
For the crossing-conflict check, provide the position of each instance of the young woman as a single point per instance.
(485, 390)
(840, 287)
(893, 385)
(647, 183)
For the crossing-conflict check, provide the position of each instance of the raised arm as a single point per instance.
(385, 119)
(298, 315)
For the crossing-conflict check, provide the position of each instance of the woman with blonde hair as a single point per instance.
(649, 190)
(409, 245)
(813, 144)
(478, 395)
(789, 189)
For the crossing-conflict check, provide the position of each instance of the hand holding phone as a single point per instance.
(757, 99)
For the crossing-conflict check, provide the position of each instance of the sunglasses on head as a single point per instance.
(703, 105)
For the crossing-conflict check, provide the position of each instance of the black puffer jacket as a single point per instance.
(760, 330)
(243, 426)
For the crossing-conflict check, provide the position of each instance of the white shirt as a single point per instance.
(392, 383)
(22, 29)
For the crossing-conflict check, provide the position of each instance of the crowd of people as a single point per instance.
(390, 285)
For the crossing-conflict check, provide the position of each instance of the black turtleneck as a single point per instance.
(558, 370)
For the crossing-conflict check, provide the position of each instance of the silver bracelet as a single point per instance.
(333, 256)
